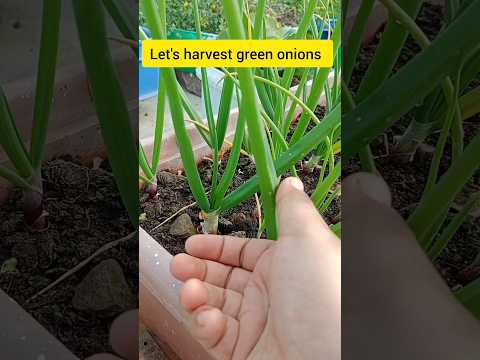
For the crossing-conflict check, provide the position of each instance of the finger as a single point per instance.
(184, 267)
(360, 185)
(228, 250)
(373, 232)
(124, 335)
(379, 246)
(196, 293)
(216, 331)
(295, 211)
(368, 218)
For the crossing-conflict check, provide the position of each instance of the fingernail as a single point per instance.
(373, 187)
(295, 183)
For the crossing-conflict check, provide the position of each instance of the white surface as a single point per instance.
(148, 107)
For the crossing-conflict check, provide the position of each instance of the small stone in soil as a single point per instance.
(224, 222)
(104, 291)
(239, 218)
(166, 178)
(224, 225)
(182, 227)
(9, 266)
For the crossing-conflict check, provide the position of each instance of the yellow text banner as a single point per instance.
(237, 53)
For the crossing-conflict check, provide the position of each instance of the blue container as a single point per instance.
(327, 31)
(147, 78)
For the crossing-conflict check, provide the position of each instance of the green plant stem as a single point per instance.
(210, 222)
(382, 64)
(451, 229)
(326, 204)
(470, 297)
(316, 91)
(232, 163)
(470, 103)
(437, 201)
(293, 107)
(16, 179)
(259, 17)
(157, 27)
(194, 116)
(394, 98)
(208, 107)
(321, 191)
(293, 97)
(356, 37)
(365, 154)
(45, 80)
(143, 162)
(288, 74)
(447, 84)
(440, 146)
(288, 159)
(159, 125)
(11, 141)
(387, 51)
(109, 101)
(260, 149)
(125, 19)
(224, 109)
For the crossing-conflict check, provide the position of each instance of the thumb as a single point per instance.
(124, 335)
(388, 283)
(296, 214)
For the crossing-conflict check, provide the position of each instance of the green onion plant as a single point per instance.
(267, 128)
(26, 171)
(109, 101)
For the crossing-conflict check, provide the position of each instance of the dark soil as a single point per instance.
(407, 179)
(85, 212)
(174, 194)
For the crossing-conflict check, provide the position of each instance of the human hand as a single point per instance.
(264, 299)
(395, 305)
(123, 338)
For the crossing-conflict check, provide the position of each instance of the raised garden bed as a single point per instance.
(166, 223)
(174, 195)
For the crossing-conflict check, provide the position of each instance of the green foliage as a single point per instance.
(180, 15)
(109, 100)
(278, 13)
(436, 93)
(27, 163)
(262, 127)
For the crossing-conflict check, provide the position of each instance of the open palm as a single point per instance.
(254, 298)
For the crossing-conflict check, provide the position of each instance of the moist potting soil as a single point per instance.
(85, 212)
